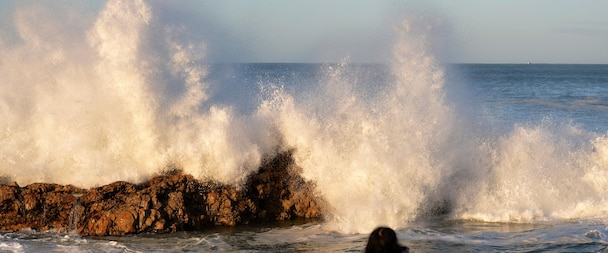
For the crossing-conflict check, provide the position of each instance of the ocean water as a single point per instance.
(455, 157)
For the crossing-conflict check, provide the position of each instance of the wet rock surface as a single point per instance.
(170, 202)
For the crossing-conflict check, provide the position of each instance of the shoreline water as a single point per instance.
(435, 235)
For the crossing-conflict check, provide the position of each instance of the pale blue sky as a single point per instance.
(514, 31)
(534, 30)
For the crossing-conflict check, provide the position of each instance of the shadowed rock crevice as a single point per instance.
(166, 203)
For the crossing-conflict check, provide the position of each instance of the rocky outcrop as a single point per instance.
(40, 206)
(170, 202)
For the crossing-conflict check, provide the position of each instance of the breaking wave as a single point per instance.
(126, 95)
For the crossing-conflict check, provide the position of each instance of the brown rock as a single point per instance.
(166, 203)
(125, 222)
(38, 206)
(10, 216)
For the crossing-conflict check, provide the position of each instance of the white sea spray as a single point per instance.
(124, 94)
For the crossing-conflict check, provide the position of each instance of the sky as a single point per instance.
(475, 31)
(467, 31)
(539, 31)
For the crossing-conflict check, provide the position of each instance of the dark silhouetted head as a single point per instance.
(384, 240)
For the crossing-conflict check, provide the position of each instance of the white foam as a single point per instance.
(406, 153)
(373, 159)
(12, 247)
(539, 173)
(88, 107)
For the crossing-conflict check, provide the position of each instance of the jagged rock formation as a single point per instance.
(166, 203)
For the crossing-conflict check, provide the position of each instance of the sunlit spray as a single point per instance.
(124, 95)
(89, 107)
(374, 160)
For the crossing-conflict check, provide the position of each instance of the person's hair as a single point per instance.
(383, 240)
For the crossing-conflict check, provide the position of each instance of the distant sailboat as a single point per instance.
(529, 62)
